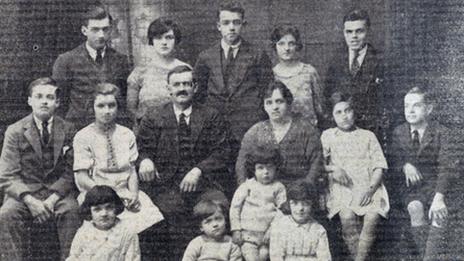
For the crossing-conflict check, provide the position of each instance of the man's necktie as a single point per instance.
(99, 58)
(229, 61)
(415, 141)
(355, 66)
(45, 133)
(184, 144)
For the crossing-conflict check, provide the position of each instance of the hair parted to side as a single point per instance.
(161, 26)
(428, 99)
(100, 195)
(261, 155)
(283, 30)
(179, 69)
(231, 6)
(95, 11)
(356, 15)
(278, 85)
(300, 191)
(43, 81)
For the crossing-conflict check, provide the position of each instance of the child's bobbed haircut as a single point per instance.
(261, 155)
(300, 191)
(100, 195)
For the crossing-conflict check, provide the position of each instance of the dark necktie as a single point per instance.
(228, 66)
(355, 66)
(184, 143)
(99, 58)
(45, 133)
(415, 141)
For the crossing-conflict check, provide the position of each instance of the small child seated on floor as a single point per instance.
(296, 235)
(255, 204)
(103, 236)
(213, 243)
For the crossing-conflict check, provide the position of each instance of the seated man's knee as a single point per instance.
(416, 213)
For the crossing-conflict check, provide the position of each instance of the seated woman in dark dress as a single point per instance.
(297, 140)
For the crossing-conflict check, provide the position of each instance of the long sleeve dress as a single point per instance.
(358, 152)
(110, 159)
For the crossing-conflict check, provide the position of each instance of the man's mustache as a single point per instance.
(182, 93)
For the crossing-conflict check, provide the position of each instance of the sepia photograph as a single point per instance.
(231, 130)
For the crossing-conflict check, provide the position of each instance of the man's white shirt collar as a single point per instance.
(38, 123)
(421, 132)
(226, 47)
(361, 55)
(93, 52)
(186, 112)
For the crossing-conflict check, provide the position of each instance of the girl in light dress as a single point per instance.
(255, 203)
(105, 154)
(296, 236)
(355, 164)
(103, 236)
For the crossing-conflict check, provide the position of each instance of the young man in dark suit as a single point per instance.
(357, 69)
(78, 71)
(36, 175)
(232, 74)
(424, 161)
(183, 156)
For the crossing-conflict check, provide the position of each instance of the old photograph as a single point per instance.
(231, 130)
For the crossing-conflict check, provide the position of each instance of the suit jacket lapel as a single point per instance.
(58, 133)
(405, 137)
(196, 123)
(171, 123)
(217, 67)
(428, 137)
(32, 135)
(242, 59)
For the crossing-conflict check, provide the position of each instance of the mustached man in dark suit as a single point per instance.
(183, 155)
(357, 69)
(78, 71)
(36, 175)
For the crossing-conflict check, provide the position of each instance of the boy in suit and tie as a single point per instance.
(36, 175)
(357, 69)
(424, 163)
(232, 75)
(183, 156)
(78, 71)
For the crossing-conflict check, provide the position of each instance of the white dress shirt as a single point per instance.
(225, 47)
(186, 112)
(93, 52)
(38, 123)
(361, 55)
